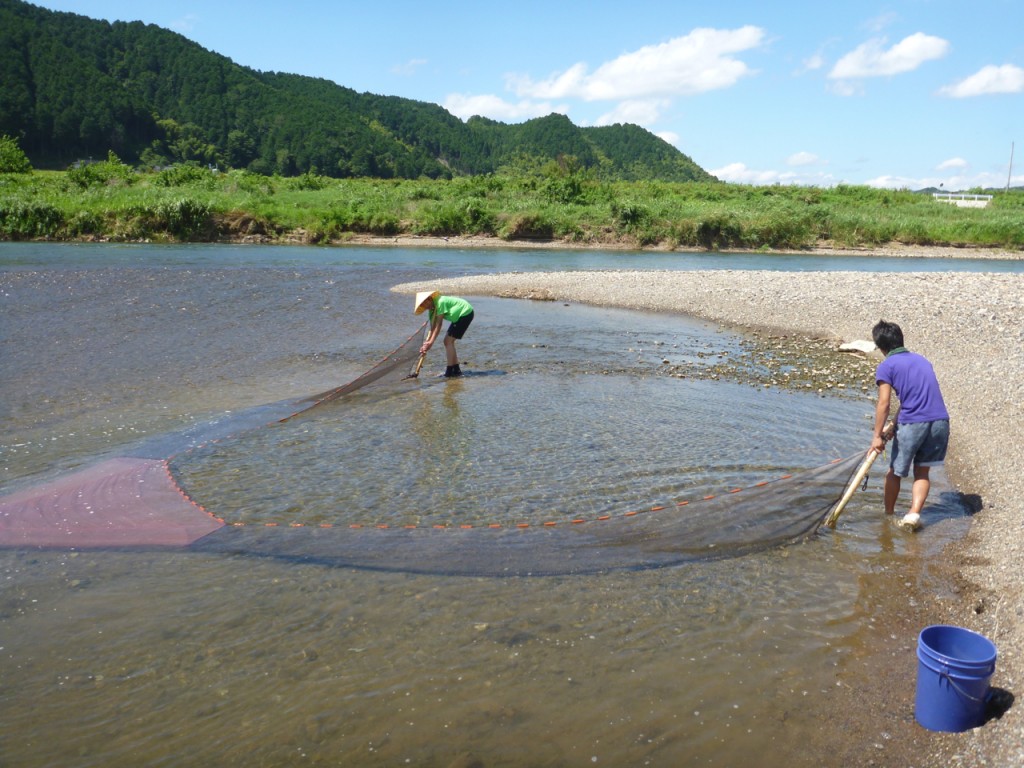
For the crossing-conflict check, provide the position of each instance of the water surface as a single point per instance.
(133, 658)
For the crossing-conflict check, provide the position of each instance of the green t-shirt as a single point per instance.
(451, 308)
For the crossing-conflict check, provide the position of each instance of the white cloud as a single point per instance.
(872, 59)
(802, 158)
(955, 182)
(638, 112)
(555, 87)
(953, 162)
(409, 67)
(487, 105)
(897, 182)
(738, 173)
(991, 79)
(812, 63)
(704, 60)
(847, 87)
(671, 137)
(185, 24)
(880, 22)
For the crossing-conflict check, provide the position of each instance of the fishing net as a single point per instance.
(122, 502)
(133, 501)
(394, 366)
(140, 501)
(739, 521)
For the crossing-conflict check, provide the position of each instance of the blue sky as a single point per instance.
(906, 93)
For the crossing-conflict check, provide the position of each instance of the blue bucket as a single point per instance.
(953, 672)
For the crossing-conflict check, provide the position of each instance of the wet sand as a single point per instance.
(971, 326)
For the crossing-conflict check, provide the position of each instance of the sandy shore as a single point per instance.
(823, 249)
(971, 326)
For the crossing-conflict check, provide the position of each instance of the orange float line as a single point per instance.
(466, 526)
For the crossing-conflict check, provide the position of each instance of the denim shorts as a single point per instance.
(920, 445)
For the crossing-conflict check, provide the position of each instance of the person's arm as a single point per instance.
(881, 416)
(435, 329)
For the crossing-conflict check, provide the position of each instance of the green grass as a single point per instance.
(110, 201)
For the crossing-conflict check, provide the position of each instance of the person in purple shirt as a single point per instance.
(922, 422)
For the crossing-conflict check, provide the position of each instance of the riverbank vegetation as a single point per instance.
(556, 201)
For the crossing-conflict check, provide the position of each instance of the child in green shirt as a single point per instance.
(458, 312)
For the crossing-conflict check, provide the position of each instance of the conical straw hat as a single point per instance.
(421, 297)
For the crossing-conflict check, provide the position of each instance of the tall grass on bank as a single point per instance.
(110, 201)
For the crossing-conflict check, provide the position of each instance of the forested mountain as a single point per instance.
(73, 87)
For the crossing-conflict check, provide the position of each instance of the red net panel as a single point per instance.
(123, 502)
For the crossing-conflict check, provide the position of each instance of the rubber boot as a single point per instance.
(452, 371)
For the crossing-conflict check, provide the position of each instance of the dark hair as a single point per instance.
(887, 336)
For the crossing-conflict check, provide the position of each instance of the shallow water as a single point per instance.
(129, 658)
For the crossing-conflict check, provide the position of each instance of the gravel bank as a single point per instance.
(971, 326)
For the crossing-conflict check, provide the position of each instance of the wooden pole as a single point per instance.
(858, 477)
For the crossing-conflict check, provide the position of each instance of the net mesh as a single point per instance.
(122, 502)
(394, 366)
(137, 502)
(737, 522)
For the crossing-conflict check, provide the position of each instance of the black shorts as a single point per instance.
(458, 328)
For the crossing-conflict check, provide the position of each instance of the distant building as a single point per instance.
(961, 200)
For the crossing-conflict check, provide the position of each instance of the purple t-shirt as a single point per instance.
(913, 379)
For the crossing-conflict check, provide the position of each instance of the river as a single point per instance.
(127, 658)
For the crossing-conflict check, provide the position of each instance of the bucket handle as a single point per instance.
(964, 693)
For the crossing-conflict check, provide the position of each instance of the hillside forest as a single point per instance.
(74, 88)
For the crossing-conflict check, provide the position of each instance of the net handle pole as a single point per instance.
(837, 510)
(423, 355)
(419, 364)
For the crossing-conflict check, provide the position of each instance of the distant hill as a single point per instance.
(73, 87)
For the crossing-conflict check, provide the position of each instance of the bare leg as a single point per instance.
(922, 485)
(892, 491)
(449, 350)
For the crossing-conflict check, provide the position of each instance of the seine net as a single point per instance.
(145, 502)
(738, 522)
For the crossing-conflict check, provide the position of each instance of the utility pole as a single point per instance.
(1009, 173)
